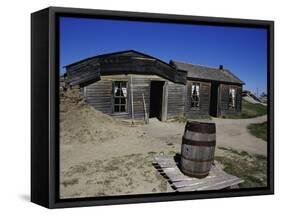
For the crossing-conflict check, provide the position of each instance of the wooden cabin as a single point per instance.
(211, 91)
(134, 85)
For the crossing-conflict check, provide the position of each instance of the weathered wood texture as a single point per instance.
(83, 73)
(141, 92)
(165, 95)
(204, 94)
(224, 99)
(122, 63)
(198, 148)
(176, 99)
(216, 180)
(100, 94)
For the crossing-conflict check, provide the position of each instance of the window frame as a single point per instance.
(230, 101)
(192, 101)
(119, 97)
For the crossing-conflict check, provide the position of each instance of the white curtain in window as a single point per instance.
(115, 89)
(196, 87)
(124, 91)
(232, 94)
(197, 90)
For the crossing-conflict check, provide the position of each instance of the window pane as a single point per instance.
(122, 101)
(117, 101)
(120, 96)
(118, 93)
(115, 90)
(123, 85)
(195, 91)
(232, 97)
(124, 92)
(116, 108)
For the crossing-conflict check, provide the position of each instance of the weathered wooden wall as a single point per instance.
(140, 85)
(224, 97)
(176, 99)
(89, 70)
(100, 94)
(204, 93)
(83, 73)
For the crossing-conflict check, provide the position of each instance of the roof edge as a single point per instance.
(182, 62)
(173, 62)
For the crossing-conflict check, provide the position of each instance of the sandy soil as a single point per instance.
(101, 156)
(233, 133)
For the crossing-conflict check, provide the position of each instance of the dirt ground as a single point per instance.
(102, 156)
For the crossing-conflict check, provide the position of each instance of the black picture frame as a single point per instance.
(45, 102)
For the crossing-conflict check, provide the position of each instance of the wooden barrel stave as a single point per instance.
(200, 154)
(196, 136)
(195, 169)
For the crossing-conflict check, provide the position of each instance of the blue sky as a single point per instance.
(242, 50)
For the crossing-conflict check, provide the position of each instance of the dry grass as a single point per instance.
(251, 168)
(116, 176)
(249, 110)
(259, 130)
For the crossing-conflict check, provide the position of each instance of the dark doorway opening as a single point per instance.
(156, 95)
(214, 99)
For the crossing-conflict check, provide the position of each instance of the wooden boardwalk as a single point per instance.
(216, 180)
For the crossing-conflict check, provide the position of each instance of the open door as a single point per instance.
(156, 99)
(214, 99)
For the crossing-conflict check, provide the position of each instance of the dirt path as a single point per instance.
(256, 120)
(233, 133)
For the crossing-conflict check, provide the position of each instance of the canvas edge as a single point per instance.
(53, 201)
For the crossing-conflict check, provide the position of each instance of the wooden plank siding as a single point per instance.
(204, 94)
(176, 99)
(124, 62)
(140, 85)
(100, 95)
(83, 74)
(224, 97)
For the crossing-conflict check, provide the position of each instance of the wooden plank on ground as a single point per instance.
(216, 180)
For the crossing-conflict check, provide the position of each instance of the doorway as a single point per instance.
(214, 99)
(156, 97)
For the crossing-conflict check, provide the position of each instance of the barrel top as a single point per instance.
(207, 121)
(205, 126)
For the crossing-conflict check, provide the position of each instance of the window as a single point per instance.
(120, 96)
(195, 97)
(232, 98)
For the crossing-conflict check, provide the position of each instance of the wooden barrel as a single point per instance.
(198, 148)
